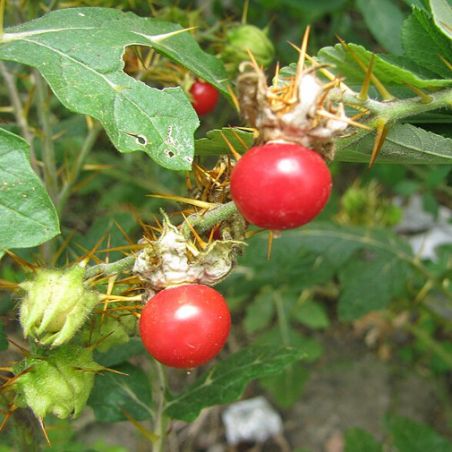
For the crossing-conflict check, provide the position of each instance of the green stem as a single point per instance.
(18, 109)
(204, 222)
(48, 149)
(282, 317)
(399, 109)
(434, 346)
(76, 168)
(124, 264)
(161, 421)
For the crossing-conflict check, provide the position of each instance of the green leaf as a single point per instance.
(404, 144)
(442, 16)
(411, 436)
(388, 70)
(27, 215)
(358, 440)
(370, 282)
(287, 387)
(226, 381)
(216, 141)
(259, 312)
(384, 20)
(114, 395)
(311, 314)
(119, 353)
(79, 52)
(3, 338)
(425, 44)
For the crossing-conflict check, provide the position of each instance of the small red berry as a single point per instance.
(280, 185)
(204, 97)
(185, 326)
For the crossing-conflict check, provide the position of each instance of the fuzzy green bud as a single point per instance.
(242, 40)
(56, 382)
(107, 331)
(56, 305)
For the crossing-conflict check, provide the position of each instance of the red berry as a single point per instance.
(280, 185)
(204, 97)
(185, 326)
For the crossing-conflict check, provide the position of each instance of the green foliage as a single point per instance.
(28, 216)
(311, 314)
(88, 77)
(384, 19)
(226, 381)
(358, 440)
(215, 141)
(410, 436)
(117, 397)
(388, 69)
(425, 44)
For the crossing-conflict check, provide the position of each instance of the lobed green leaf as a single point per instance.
(226, 381)
(217, 140)
(426, 45)
(27, 215)
(442, 16)
(79, 52)
(389, 70)
(404, 143)
(384, 20)
(115, 396)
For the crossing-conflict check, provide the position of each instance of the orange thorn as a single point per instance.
(378, 85)
(235, 99)
(234, 153)
(364, 93)
(269, 244)
(382, 131)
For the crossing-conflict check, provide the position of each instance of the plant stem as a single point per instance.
(110, 269)
(18, 109)
(282, 318)
(204, 222)
(48, 150)
(75, 170)
(434, 345)
(161, 421)
(399, 109)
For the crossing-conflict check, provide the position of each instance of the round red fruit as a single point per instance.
(280, 185)
(204, 97)
(185, 326)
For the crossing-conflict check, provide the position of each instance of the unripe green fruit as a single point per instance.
(58, 381)
(56, 305)
(243, 39)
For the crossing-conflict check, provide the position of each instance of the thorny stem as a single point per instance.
(204, 222)
(75, 170)
(161, 420)
(399, 109)
(110, 269)
(201, 222)
(48, 149)
(19, 112)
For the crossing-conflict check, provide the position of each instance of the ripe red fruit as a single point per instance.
(280, 185)
(185, 326)
(204, 97)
